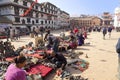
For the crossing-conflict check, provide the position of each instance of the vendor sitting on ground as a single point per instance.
(71, 33)
(46, 35)
(72, 42)
(28, 50)
(14, 71)
(48, 40)
(58, 59)
(80, 39)
(19, 50)
(56, 43)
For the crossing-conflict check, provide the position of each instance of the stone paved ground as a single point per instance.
(101, 55)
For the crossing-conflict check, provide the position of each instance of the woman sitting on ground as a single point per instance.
(80, 39)
(14, 71)
(73, 43)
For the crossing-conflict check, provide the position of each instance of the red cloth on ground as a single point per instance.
(48, 51)
(9, 59)
(73, 45)
(3, 37)
(37, 56)
(43, 70)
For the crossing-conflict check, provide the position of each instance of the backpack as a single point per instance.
(118, 46)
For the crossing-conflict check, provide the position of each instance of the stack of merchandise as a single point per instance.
(48, 64)
(77, 78)
(82, 65)
(3, 67)
(34, 77)
(62, 75)
(31, 61)
(37, 69)
(65, 75)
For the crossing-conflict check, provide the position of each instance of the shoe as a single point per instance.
(72, 78)
(77, 77)
(65, 74)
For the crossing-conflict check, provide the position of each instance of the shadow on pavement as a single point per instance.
(82, 49)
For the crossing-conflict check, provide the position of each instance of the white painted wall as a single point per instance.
(21, 11)
(11, 18)
(117, 17)
(6, 10)
(20, 2)
(56, 21)
(4, 1)
(28, 4)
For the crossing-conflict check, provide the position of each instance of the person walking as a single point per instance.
(41, 31)
(19, 31)
(12, 33)
(109, 31)
(104, 32)
(16, 34)
(37, 31)
(7, 30)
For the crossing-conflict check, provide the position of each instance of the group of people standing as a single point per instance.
(12, 34)
(105, 30)
(37, 30)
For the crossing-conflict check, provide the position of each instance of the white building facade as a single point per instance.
(65, 19)
(42, 14)
(117, 17)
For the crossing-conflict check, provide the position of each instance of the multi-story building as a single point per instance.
(74, 22)
(50, 15)
(65, 19)
(107, 19)
(117, 17)
(4, 23)
(42, 14)
(86, 21)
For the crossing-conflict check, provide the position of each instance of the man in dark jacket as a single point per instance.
(118, 51)
(58, 59)
(109, 31)
(104, 32)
